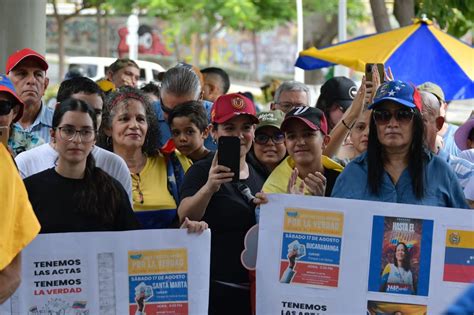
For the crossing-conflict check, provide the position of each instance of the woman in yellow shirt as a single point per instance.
(130, 129)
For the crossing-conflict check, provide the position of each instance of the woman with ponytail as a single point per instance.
(75, 195)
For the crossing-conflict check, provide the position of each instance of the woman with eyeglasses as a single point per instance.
(75, 195)
(268, 148)
(130, 129)
(397, 167)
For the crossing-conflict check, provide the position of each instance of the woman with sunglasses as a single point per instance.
(75, 195)
(397, 167)
(269, 148)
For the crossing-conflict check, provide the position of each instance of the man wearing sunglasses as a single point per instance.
(433, 121)
(11, 110)
(269, 143)
(397, 167)
(26, 69)
(179, 84)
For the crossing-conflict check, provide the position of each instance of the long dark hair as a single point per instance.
(98, 197)
(406, 259)
(151, 146)
(376, 157)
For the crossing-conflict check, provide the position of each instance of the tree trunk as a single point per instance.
(404, 11)
(318, 32)
(177, 47)
(197, 48)
(380, 15)
(209, 48)
(106, 34)
(256, 59)
(100, 33)
(61, 50)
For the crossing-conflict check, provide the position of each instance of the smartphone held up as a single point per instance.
(228, 154)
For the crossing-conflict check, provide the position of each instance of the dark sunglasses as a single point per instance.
(263, 138)
(6, 107)
(164, 108)
(383, 116)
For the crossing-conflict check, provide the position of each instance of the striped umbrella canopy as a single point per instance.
(416, 53)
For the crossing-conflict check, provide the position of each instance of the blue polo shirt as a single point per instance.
(441, 185)
(165, 132)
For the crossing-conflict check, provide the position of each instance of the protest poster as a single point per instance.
(159, 279)
(400, 255)
(132, 272)
(311, 247)
(369, 236)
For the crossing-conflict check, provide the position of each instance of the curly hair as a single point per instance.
(120, 97)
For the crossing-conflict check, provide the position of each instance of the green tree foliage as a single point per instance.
(455, 16)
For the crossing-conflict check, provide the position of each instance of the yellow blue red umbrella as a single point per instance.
(416, 53)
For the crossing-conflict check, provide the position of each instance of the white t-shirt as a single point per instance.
(44, 157)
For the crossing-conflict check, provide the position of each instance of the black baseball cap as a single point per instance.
(313, 117)
(340, 90)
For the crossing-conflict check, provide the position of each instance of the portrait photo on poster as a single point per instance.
(390, 308)
(400, 255)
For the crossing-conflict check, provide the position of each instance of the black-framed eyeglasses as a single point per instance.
(6, 106)
(137, 189)
(287, 106)
(68, 133)
(383, 116)
(164, 108)
(263, 138)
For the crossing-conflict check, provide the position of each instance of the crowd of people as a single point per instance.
(111, 156)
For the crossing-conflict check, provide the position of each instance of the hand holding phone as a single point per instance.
(228, 154)
(379, 68)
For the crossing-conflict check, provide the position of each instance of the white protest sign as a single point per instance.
(321, 255)
(150, 271)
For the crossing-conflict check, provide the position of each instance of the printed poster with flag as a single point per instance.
(324, 256)
(459, 256)
(109, 273)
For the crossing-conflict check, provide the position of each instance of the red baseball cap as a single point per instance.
(7, 86)
(230, 105)
(15, 58)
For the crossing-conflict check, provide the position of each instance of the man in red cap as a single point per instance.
(27, 70)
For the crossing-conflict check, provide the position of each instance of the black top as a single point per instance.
(54, 203)
(229, 216)
(331, 176)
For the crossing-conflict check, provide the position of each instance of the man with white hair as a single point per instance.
(433, 122)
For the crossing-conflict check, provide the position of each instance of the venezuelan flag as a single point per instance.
(459, 256)
(417, 53)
